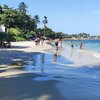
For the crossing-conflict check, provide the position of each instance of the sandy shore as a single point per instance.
(20, 51)
(17, 84)
(70, 78)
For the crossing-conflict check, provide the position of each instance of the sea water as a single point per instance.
(91, 46)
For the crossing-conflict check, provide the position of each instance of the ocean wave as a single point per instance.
(95, 54)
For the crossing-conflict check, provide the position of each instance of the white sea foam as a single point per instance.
(95, 54)
(78, 57)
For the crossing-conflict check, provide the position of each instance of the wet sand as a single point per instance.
(22, 87)
(18, 84)
(47, 77)
(75, 82)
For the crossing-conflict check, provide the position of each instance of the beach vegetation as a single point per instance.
(22, 26)
(45, 21)
(22, 8)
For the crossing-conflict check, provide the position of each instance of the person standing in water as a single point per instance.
(81, 44)
(60, 44)
(56, 43)
(72, 45)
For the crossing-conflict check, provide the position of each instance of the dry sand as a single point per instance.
(20, 51)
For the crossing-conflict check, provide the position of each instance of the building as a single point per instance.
(2, 28)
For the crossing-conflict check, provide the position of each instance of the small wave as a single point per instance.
(85, 51)
(95, 54)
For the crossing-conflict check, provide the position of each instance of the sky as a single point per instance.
(67, 16)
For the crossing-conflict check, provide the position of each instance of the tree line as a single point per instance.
(22, 26)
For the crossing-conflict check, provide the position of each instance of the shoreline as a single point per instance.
(46, 80)
(18, 84)
(86, 56)
(79, 39)
(21, 51)
(80, 58)
(14, 58)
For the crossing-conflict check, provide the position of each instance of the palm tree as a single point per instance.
(22, 8)
(1, 10)
(36, 20)
(45, 21)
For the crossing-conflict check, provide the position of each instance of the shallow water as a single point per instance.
(89, 46)
(80, 82)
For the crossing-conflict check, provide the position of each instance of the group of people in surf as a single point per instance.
(58, 46)
(80, 44)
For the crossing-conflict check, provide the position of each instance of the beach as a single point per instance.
(17, 84)
(71, 75)
(20, 51)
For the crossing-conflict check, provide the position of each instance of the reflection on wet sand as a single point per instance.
(55, 57)
(42, 61)
(68, 69)
(71, 53)
(79, 55)
(75, 54)
(56, 54)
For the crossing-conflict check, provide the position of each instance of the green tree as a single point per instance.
(23, 26)
(37, 21)
(1, 10)
(31, 24)
(22, 8)
(45, 21)
(9, 18)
